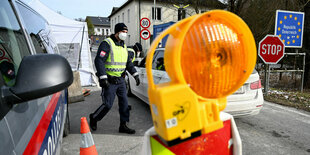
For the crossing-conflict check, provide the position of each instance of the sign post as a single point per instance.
(289, 27)
(145, 23)
(271, 50)
(145, 34)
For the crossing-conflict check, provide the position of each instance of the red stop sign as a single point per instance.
(271, 49)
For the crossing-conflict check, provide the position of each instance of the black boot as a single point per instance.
(92, 122)
(124, 129)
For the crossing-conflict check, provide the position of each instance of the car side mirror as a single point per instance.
(38, 76)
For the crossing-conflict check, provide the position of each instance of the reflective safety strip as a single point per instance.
(116, 63)
(115, 69)
(159, 149)
(111, 48)
(38, 137)
(87, 140)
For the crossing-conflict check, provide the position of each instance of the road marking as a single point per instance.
(286, 108)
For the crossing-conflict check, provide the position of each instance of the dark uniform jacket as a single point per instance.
(102, 57)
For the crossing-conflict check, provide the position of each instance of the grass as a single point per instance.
(289, 98)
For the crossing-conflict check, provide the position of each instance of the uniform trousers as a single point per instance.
(108, 96)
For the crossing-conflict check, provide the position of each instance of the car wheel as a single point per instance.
(129, 93)
(67, 122)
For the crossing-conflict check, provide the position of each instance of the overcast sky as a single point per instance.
(74, 9)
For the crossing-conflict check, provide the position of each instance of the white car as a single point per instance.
(247, 100)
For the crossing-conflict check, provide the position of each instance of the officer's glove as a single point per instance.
(137, 80)
(104, 83)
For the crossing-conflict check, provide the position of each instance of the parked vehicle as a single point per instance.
(33, 102)
(247, 100)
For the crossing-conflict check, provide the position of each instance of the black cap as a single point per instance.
(120, 27)
(137, 47)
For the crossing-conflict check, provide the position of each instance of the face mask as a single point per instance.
(122, 36)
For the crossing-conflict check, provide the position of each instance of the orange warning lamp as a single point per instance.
(207, 57)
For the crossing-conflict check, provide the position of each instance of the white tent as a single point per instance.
(67, 31)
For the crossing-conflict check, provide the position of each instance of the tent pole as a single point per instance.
(81, 48)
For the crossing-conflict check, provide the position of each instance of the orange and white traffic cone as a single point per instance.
(87, 143)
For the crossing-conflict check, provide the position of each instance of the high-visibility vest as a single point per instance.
(116, 62)
(160, 67)
(134, 54)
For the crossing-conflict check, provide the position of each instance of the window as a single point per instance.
(158, 13)
(107, 31)
(123, 17)
(13, 45)
(128, 40)
(112, 23)
(128, 15)
(37, 28)
(118, 19)
(113, 26)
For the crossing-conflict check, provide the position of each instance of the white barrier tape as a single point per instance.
(87, 140)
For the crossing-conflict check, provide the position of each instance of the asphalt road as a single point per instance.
(276, 130)
(106, 138)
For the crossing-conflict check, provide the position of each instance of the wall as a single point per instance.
(101, 30)
(169, 13)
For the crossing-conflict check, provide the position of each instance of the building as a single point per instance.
(132, 11)
(102, 28)
(101, 25)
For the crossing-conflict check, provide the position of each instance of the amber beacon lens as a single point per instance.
(213, 57)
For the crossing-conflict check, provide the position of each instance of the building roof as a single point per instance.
(116, 9)
(113, 10)
(99, 21)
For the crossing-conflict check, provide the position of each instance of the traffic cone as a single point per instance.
(87, 143)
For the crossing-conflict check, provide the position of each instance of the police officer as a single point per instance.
(134, 51)
(111, 61)
(160, 64)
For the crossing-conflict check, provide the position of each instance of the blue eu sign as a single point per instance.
(289, 27)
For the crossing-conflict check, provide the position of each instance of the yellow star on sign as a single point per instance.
(285, 17)
(298, 23)
(279, 29)
(280, 21)
(290, 16)
(288, 42)
(299, 30)
(280, 35)
(295, 18)
(297, 36)
(293, 41)
(283, 40)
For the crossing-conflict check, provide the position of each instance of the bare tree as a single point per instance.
(196, 4)
(260, 16)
